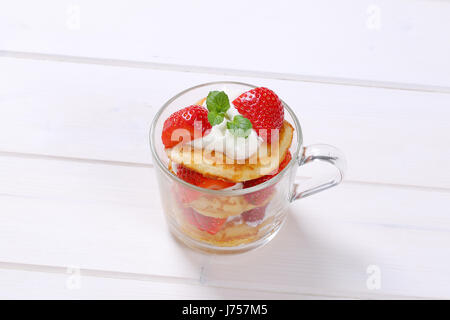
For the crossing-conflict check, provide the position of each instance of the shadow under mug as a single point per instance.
(232, 221)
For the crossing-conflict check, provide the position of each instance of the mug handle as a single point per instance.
(323, 153)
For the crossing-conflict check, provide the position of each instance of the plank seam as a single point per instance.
(299, 178)
(226, 71)
(166, 279)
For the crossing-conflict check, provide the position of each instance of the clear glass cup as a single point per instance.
(189, 208)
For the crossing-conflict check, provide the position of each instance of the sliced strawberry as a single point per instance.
(188, 195)
(189, 122)
(189, 214)
(191, 176)
(197, 179)
(209, 224)
(204, 223)
(264, 110)
(285, 162)
(216, 184)
(260, 196)
(253, 215)
(250, 183)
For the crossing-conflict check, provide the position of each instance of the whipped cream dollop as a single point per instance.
(220, 139)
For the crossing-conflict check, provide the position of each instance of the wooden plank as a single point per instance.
(340, 258)
(392, 42)
(103, 112)
(23, 284)
(79, 216)
(107, 217)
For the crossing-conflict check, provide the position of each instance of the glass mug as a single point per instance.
(188, 208)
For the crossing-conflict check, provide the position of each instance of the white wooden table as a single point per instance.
(80, 81)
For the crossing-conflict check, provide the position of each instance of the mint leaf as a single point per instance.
(217, 101)
(240, 126)
(215, 118)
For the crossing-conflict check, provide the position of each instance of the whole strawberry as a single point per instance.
(192, 118)
(264, 110)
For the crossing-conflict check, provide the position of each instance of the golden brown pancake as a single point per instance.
(217, 166)
(231, 234)
(221, 206)
(225, 206)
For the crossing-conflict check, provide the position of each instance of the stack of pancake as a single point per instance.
(229, 209)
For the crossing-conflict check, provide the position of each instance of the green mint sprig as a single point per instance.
(218, 104)
(240, 126)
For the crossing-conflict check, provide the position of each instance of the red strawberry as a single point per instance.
(264, 110)
(197, 179)
(191, 176)
(187, 195)
(192, 119)
(209, 224)
(257, 197)
(253, 215)
(260, 196)
(189, 214)
(204, 223)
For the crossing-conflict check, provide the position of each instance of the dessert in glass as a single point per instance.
(226, 156)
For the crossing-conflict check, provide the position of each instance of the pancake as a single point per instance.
(216, 165)
(225, 206)
(232, 234)
(215, 206)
